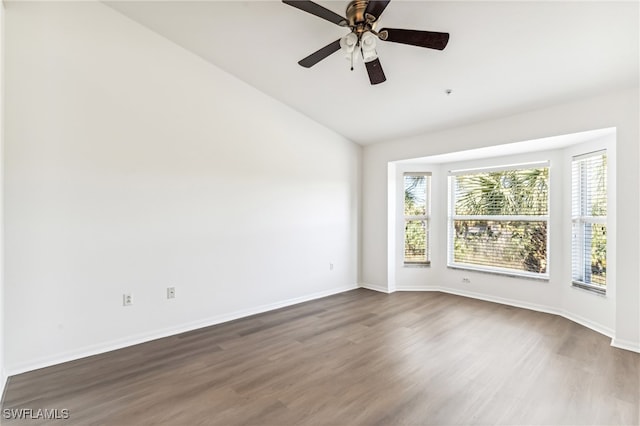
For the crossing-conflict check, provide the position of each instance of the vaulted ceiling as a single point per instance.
(503, 58)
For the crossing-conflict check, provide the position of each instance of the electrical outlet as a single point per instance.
(331, 266)
(171, 292)
(127, 299)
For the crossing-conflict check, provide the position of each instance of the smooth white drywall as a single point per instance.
(618, 110)
(133, 165)
(3, 375)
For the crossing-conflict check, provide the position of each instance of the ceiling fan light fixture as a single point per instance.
(369, 55)
(368, 45)
(348, 43)
(368, 41)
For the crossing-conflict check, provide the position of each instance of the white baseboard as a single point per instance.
(626, 344)
(588, 323)
(166, 332)
(375, 287)
(487, 298)
(520, 304)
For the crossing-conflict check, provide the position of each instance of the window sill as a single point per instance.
(417, 265)
(590, 288)
(504, 273)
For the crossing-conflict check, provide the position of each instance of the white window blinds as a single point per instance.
(417, 205)
(498, 219)
(589, 221)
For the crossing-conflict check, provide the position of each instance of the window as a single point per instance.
(498, 219)
(589, 221)
(417, 206)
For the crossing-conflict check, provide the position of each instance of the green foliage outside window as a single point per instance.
(589, 210)
(416, 224)
(512, 244)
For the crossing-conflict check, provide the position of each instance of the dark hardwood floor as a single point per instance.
(356, 358)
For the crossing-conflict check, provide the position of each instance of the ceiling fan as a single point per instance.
(362, 16)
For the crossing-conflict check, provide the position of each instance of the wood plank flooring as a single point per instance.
(357, 358)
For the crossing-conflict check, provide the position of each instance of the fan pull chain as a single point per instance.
(352, 59)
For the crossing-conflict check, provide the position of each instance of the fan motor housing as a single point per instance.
(355, 12)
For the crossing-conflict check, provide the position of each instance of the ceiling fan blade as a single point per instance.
(319, 55)
(317, 10)
(429, 39)
(374, 69)
(376, 7)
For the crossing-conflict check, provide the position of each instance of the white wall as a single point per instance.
(3, 374)
(133, 165)
(619, 110)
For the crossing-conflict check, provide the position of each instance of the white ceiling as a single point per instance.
(502, 58)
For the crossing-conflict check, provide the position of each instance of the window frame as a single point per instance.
(582, 219)
(452, 218)
(426, 217)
